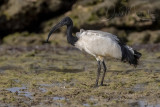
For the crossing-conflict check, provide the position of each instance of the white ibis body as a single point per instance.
(99, 44)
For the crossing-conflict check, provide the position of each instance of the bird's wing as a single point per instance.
(96, 33)
(99, 43)
(103, 34)
(78, 34)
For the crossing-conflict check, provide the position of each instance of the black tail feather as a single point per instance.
(137, 54)
(129, 56)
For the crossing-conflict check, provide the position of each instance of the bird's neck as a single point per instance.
(70, 38)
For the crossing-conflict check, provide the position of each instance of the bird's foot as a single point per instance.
(95, 86)
(101, 84)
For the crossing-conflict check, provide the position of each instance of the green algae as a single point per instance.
(23, 39)
(67, 73)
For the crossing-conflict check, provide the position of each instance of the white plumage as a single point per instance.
(99, 44)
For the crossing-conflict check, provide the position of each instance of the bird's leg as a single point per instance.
(98, 73)
(105, 68)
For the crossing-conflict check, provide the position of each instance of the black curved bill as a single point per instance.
(60, 24)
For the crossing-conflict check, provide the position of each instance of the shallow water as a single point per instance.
(21, 91)
(142, 104)
(139, 103)
(16, 89)
(59, 98)
(86, 105)
(42, 89)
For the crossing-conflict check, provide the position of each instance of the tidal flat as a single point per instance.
(46, 75)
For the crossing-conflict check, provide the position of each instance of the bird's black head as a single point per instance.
(65, 21)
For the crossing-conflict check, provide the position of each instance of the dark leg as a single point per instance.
(98, 73)
(104, 65)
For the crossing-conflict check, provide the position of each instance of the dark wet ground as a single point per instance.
(64, 77)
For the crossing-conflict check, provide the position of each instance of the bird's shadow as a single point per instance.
(65, 70)
(93, 85)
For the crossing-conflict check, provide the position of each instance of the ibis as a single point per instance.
(98, 44)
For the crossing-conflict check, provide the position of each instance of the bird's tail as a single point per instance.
(129, 55)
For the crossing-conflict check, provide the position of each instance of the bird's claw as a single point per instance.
(101, 84)
(94, 86)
